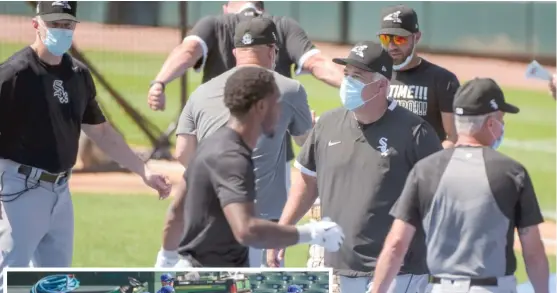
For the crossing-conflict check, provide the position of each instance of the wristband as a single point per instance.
(159, 82)
(168, 253)
(304, 234)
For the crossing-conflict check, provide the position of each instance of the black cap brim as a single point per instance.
(357, 64)
(509, 108)
(58, 16)
(394, 31)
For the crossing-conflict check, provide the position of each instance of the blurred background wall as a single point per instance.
(523, 30)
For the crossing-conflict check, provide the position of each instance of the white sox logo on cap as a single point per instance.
(493, 104)
(359, 50)
(247, 39)
(64, 4)
(394, 17)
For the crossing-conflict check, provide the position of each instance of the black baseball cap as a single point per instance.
(255, 31)
(399, 20)
(369, 56)
(481, 96)
(57, 10)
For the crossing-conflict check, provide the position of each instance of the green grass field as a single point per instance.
(530, 139)
(131, 226)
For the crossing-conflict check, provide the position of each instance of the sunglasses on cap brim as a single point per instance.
(397, 40)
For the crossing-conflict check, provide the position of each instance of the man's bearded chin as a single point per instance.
(400, 59)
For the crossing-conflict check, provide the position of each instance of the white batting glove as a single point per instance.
(324, 233)
(167, 259)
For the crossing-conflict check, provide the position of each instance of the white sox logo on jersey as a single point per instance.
(359, 50)
(60, 92)
(411, 97)
(383, 147)
(394, 17)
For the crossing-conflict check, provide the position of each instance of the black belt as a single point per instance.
(46, 177)
(473, 281)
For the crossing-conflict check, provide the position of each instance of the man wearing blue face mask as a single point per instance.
(46, 99)
(468, 200)
(358, 157)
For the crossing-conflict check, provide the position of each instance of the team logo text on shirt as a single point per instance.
(60, 92)
(383, 147)
(411, 97)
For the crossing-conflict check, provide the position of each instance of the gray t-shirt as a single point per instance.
(360, 171)
(205, 112)
(468, 201)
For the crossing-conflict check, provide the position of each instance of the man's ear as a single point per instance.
(35, 23)
(418, 37)
(234, 52)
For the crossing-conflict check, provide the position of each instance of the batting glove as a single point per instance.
(167, 259)
(324, 233)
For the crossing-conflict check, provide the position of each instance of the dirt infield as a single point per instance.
(163, 40)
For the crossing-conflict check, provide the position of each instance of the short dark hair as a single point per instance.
(247, 86)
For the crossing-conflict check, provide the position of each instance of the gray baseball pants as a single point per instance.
(401, 284)
(37, 220)
(505, 284)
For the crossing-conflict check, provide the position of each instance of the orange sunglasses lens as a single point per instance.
(397, 40)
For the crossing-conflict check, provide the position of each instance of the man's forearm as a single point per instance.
(114, 145)
(537, 269)
(268, 234)
(329, 73)
(173, 231)
(180, 59)
(388, 265)
(301, 199)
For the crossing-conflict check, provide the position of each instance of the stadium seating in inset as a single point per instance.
(271, 275)
(302, 283)
(316, 291)
(271, 285)
(275, 278)
(319, 285)
(264, 291)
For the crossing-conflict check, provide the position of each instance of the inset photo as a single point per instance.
(149, 281)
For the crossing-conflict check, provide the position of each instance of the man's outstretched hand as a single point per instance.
(158, 182)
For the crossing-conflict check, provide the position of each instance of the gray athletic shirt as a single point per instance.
(468, 201)
(205, 112)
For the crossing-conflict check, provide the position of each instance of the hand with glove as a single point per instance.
(324, 233)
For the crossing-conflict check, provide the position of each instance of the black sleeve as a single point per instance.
(426, 142)
(306, 160)
(446, 90)
(93, 113)
(234, 179)
(7, 78)
(527, 210)
(204, 29)
(407, 207)
(297, 42)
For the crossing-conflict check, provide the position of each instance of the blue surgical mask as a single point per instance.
(351, 93)
(497, 143)
(58, 41)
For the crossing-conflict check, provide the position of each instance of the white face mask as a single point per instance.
(351, 93)
(274, 59)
